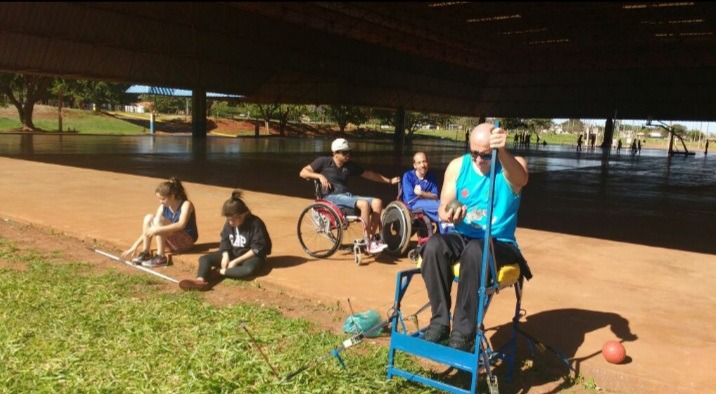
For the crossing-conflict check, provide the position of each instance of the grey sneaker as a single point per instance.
(156, 261)
(142, 257)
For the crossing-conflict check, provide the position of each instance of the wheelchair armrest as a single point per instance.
(317, 189)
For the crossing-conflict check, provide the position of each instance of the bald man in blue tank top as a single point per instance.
(467, 179)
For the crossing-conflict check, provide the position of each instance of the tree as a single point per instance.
(537, 125)
(23, 91)
(513, 124)
(694, 135)
(678, 129)
(98, 93)
(289, 112)
(165, 104)
(573, 126)
(344, 114)
(413, 120)
(265, 111)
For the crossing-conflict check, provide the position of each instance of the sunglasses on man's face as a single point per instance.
(483, 156)
(344, 152)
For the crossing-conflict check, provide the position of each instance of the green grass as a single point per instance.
(80, 122)
(9, 124)
(66, 329)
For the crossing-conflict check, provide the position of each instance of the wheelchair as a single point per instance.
(322, 226)
(400, 223)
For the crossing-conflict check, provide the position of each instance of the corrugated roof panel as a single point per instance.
(162, 91)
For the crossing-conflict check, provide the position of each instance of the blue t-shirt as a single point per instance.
(427, 184)
(173, 217)
(472, 189)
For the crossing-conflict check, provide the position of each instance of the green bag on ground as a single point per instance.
(362, 322)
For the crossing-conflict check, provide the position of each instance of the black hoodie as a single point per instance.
(250, 235)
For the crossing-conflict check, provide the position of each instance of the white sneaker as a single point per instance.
(376, 247)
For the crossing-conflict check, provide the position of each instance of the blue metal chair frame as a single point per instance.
(483, 355)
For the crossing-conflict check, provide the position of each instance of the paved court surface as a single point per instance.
(623, 251)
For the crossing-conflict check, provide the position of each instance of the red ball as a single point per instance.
(614, 352)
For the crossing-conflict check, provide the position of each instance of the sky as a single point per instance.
(708, 128)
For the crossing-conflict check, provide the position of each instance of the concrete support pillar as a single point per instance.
(608, 134)
(399, 135)
(198, 113)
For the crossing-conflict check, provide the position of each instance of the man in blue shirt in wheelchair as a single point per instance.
(420, 189)
(467, 180)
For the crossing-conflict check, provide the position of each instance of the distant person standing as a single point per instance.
(706, 148)
(638, 147)
(619, 146)
(579, 143)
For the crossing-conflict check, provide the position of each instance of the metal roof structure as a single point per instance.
(161, 91)
(547, 60)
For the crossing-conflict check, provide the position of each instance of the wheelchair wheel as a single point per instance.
(397, 228)
(357, 254)
(319, 230)
(414, 256)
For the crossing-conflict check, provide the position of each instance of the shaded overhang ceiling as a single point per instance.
(556, 60)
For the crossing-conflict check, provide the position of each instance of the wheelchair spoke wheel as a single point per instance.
(397, 228)
(414, 256)
(319, 230)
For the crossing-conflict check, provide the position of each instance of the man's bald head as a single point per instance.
(419, 156)
(480, 137)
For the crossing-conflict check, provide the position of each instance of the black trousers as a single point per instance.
(440, 253)
(247, 268)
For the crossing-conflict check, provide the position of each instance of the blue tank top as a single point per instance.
(472, 189)
(173, 217)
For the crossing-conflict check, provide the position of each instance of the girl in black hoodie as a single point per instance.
(245, 243)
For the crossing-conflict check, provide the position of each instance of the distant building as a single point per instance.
(138, 108)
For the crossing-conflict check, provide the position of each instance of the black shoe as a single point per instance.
(436, 333)
(460, 342)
